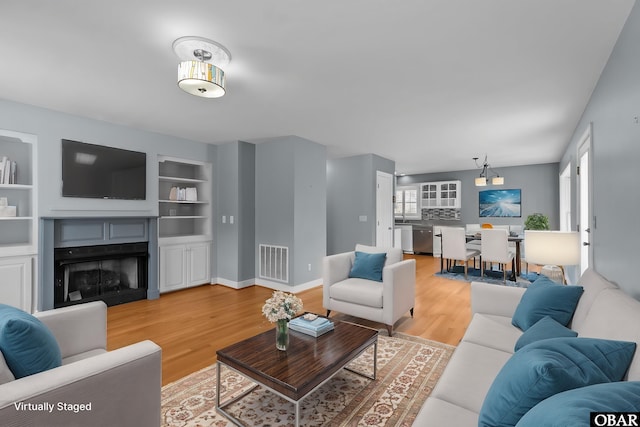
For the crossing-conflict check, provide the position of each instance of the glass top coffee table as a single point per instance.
(293, 374)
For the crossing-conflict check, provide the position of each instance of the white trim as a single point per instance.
(232, 284)
(266, 284)
(288, 288)
(585, 145)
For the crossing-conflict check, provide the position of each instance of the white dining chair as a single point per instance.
(454, 247)
(495, 248)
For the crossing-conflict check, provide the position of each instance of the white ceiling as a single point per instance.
(427, 83)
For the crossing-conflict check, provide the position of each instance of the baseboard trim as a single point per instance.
(233, 284)
(267, 284)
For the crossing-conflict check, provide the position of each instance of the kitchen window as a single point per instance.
(407, 205)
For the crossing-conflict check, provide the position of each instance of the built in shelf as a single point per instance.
(184, 217)
(178, 179)
(16, 186)
(15, 218)
(184, 201)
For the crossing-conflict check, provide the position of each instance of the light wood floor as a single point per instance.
(191, 324)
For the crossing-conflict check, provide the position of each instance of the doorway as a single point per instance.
(565, 199)
(384, 209)
(585, 224)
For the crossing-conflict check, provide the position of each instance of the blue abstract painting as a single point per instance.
(500, 203)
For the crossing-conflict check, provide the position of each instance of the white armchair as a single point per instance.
(384, 301)
(123, 386)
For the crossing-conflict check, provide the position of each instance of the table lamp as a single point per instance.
(552, 248)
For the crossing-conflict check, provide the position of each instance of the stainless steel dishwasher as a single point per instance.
(423, 239)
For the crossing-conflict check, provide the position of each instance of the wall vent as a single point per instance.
(274, 263)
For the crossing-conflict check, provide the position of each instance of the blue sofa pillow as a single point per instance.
(544, 297)
(27, 344)
(572, 407)
(545, 368)
(368, 266)
(543, 329)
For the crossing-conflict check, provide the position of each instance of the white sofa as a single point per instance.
(603, 311)
(123, 386)
(384, 302)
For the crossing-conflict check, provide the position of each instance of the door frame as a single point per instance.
(585, 145)
(384, 210)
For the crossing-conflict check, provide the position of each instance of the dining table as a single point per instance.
(517, 239)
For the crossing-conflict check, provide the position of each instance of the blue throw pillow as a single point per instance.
(543, 329)
(368, 266)
(544, 297)
(27, 344)
(545, 368)
(572, 408)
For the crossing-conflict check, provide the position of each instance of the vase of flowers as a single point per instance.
(279, 309)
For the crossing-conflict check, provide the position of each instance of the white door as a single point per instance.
(584, 201)
(199, 264)
(15, 286)
(384, 209)
(565, 199)
(173, 274)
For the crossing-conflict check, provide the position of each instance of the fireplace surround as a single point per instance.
(114, 259)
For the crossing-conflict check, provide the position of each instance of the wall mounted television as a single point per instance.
(500, 203)
(101, 172)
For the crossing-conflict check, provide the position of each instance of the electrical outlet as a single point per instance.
(224, 219)
(230, 219)
(309, 267)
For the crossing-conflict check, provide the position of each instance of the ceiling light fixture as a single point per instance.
(482, 180)
(201, 71)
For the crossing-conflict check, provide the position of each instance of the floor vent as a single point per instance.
(274, 263)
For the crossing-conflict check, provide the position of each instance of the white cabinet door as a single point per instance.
(198, 258)
(186, 265)
(173, 272)
(16, 282)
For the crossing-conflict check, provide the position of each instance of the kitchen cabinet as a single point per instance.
(406, 237)
(184, 265)
(441, 194)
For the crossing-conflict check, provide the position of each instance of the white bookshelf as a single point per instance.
(19, 233)
(184, 226)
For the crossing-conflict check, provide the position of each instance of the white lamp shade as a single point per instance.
(497, 180)
(552, 247)
(201, 79)
(481, 181)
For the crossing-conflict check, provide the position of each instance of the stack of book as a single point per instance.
(315, 327)
(7, 171)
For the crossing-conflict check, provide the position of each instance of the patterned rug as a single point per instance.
(408, 368)
(490, 276)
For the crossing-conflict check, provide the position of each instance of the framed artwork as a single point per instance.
(500, 203)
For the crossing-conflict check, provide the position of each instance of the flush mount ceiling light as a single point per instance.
(201, 71)
(481, 181)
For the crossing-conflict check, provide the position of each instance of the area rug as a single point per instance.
(408, 368)
(490, 276)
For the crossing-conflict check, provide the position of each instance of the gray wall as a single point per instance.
(235, 184)
(310, 221)
(351, 193)
(246, 211)
(539, 185)
(290, 202)
(613, 109)
(50, 127)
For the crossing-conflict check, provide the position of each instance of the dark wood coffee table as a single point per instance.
(306, 365)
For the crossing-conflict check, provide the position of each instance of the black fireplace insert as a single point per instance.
(115, 274)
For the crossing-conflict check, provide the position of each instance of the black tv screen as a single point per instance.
(97, 171)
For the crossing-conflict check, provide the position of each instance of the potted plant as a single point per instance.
(537, 221)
